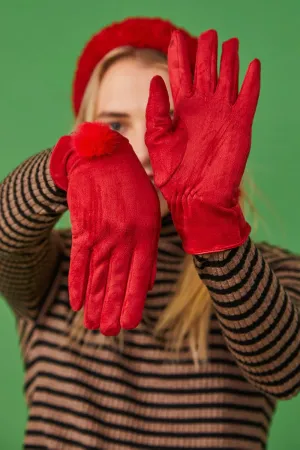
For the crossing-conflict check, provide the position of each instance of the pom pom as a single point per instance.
(93, 139)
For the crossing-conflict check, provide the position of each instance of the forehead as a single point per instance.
(125, 86)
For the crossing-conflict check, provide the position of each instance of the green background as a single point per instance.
(39, 43)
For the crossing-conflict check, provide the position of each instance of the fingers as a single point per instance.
(235, 78)
(229, 70)
(179, 67)
(249, 94)
(137, 288)
(96, 290)
(205, 78)
(78, 275)
(115, 291)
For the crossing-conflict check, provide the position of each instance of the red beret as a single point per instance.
(137, 32)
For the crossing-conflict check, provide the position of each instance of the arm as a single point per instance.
(198, 160)
(256, 293)
(30, 205)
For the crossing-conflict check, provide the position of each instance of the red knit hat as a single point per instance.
(137, 32)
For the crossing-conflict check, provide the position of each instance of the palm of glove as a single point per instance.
(207, 164)
(114, 240)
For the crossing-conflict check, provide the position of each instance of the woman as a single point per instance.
(233, 322)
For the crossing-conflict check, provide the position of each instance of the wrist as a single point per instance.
(91, 140)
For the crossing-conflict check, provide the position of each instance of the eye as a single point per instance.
(116, 126)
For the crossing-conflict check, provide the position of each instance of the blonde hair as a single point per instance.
(187, 316)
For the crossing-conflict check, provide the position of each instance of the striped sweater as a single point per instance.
(86, 396)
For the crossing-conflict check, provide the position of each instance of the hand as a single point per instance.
(115, 217)
(199, 158)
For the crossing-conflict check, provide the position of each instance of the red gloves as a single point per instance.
(199, 158)
(115, 216)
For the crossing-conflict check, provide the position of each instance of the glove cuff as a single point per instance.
(59, 161)
(90, 140)
(211, 228)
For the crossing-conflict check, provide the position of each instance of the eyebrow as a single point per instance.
(118, 115)
(113, 115)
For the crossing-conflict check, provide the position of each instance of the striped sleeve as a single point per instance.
(30, 205)
(256, 296)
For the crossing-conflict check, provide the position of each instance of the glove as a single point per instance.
(199, 158)
(115, 218)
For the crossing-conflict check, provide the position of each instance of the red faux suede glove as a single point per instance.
(199, 158)
(115, 217)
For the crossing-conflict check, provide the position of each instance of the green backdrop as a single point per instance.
(39, 43)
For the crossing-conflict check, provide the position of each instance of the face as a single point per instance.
(122, 101)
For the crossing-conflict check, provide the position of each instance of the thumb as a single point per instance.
(165, 142)
(158, 129)
(158, 120)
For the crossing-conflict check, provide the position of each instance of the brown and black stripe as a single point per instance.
(87, 396)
